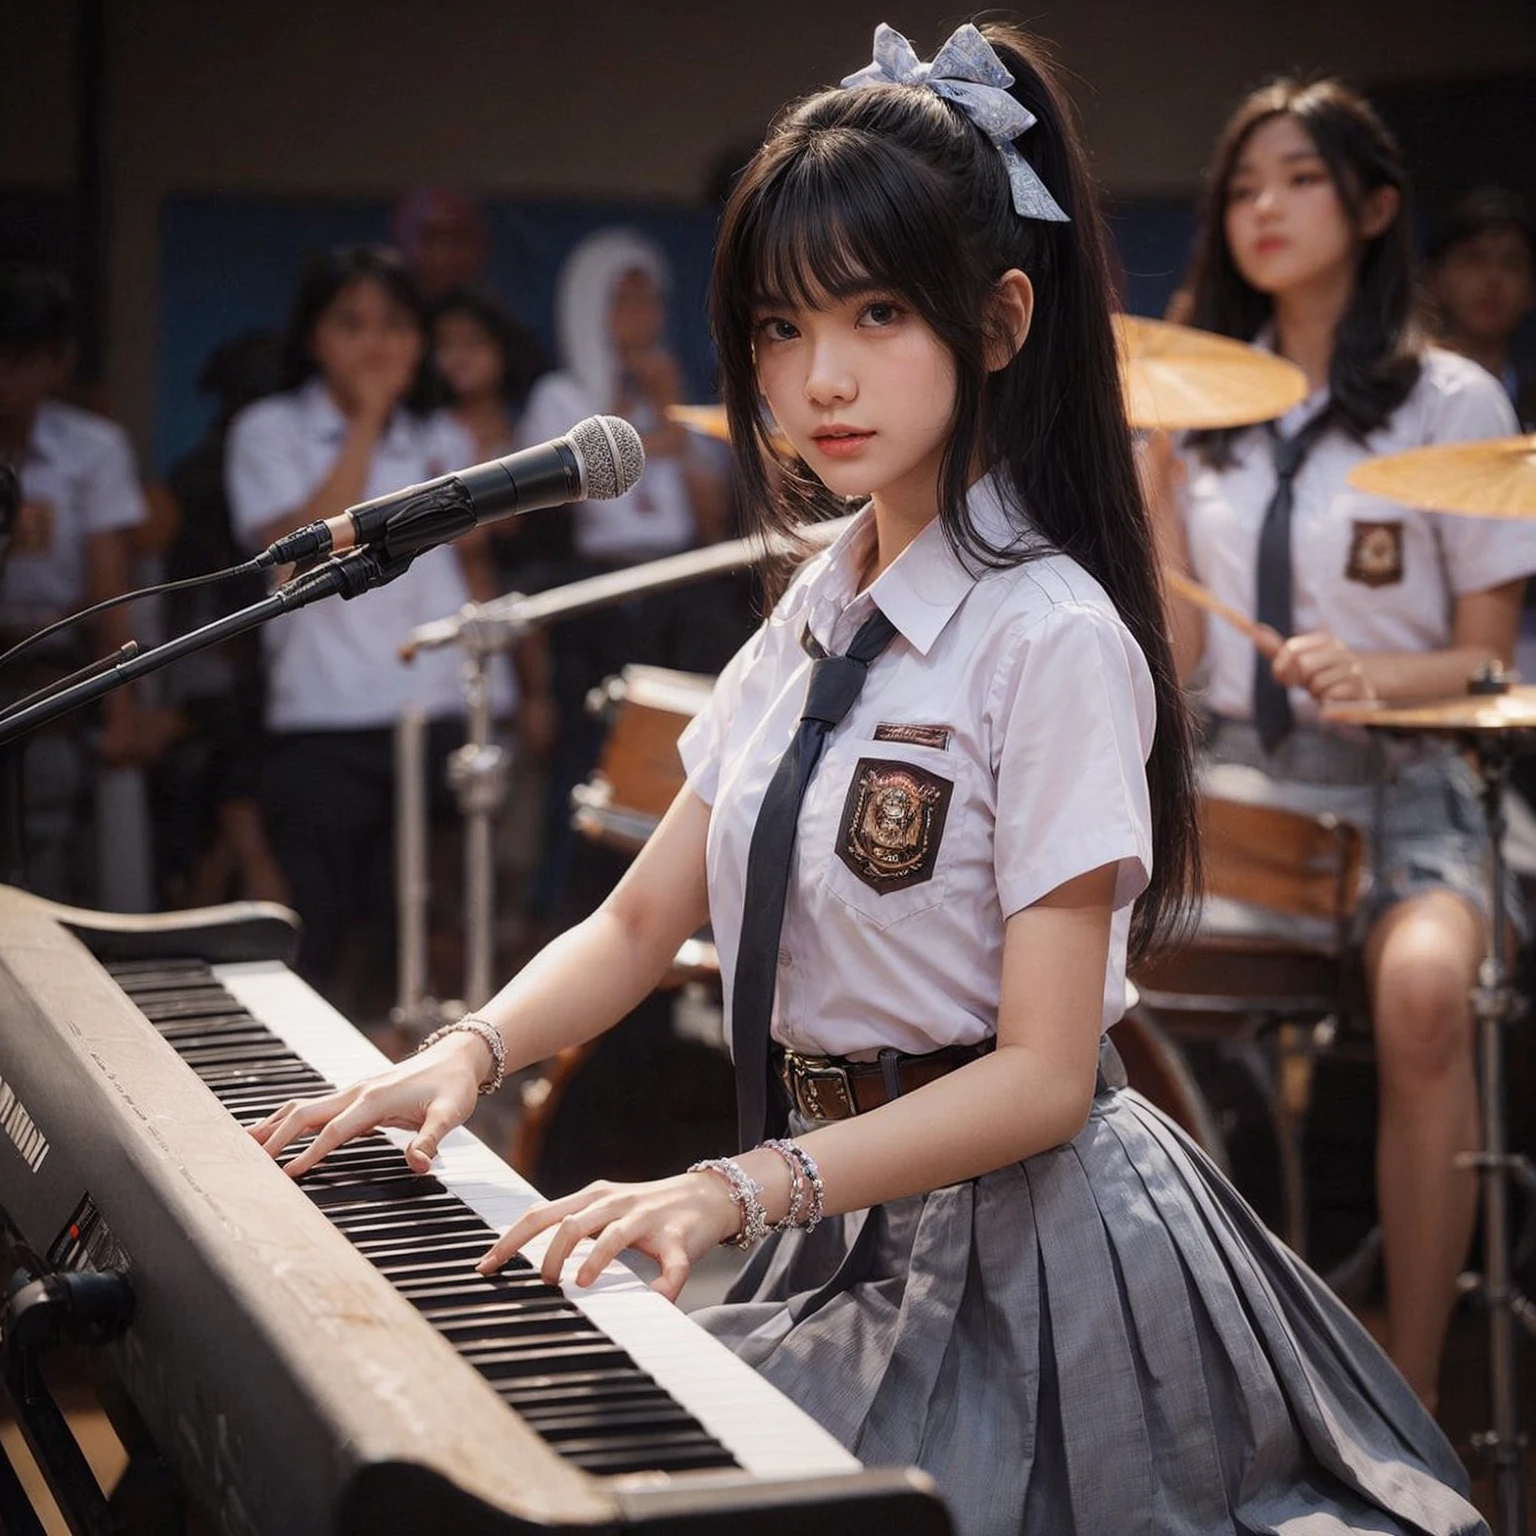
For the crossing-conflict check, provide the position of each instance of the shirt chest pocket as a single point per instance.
(880, 827)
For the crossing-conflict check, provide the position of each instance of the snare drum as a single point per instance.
(639, 772)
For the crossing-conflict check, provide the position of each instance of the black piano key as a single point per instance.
(649, 1454)
(575, 1388)
(537, 1351)
(568, 1424)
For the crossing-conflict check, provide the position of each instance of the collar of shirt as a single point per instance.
(918, 592)
(44, 442)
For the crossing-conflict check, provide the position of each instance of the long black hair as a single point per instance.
(324, 279)
(889, 187)
(1378, 350)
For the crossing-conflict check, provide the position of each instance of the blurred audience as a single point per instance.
(72, 545)
(488, 363)
(210, 841)
(355, 422)
(442, 234)
(611, 324)
(1481, 275)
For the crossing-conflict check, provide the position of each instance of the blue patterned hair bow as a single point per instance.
(967, 72)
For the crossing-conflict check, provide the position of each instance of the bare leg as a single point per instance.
(1422, 960)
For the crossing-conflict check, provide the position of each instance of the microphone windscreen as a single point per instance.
(611, 453)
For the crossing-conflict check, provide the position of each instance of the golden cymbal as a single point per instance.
(1466, 713)
(708, 419)
(1180, 379)
(1493, 477)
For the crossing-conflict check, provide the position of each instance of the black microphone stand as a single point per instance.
(356, 571)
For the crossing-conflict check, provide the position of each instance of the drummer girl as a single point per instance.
(1305, 249)
(976, 1254)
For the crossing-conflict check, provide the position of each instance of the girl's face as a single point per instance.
(865, 391)
(1286, 225)
(367, 342)
(467, 356)
(638, 315)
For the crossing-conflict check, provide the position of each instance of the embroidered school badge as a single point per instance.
(893, 821)
(1376, 554)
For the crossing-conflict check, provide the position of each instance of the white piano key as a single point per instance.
(766, 1432)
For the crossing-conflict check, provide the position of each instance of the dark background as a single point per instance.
(182, 159)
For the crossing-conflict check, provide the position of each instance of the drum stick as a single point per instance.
(1187, 588)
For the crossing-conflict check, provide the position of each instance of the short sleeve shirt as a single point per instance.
(654, 519)
(997, 750)
(336, 665)
(79, 471)
(1379, 575)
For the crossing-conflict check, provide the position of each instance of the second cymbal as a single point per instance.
(1514, 710)
(1492, 477)
(1178, 379)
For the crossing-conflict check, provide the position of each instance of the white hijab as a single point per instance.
(584, 300)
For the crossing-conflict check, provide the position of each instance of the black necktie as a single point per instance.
(834, 685)
(1271, 703)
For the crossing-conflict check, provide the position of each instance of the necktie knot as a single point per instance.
(1289, 453)
(835, 684)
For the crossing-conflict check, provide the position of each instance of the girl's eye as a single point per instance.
(774, 329)
(1239, 194)
(882, 312)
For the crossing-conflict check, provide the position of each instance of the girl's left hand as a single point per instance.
(674, 1221)
(1323, 665)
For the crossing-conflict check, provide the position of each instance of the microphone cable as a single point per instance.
(229, 573)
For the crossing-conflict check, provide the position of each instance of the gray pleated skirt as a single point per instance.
(1102, 1340)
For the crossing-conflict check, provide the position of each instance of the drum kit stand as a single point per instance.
(1174, 378)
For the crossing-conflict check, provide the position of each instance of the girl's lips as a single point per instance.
(842, 445)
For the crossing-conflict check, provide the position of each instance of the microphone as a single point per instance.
(597, 460)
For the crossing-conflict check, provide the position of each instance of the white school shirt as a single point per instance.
(1002, 734)
(1379, 575)
(335, 665)
(654, 519)
(81, 466)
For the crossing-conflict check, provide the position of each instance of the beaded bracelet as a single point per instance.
(746, 1196)
(474, 1025)
(797, 1188)
(793, 1151)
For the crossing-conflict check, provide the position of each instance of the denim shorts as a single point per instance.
(1418, 806)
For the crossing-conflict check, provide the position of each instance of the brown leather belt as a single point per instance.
(835, 1088)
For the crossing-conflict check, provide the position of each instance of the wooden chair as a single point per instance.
(1269, 976)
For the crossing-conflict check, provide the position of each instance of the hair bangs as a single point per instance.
(846, 215)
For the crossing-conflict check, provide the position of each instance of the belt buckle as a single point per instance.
(811, 1081)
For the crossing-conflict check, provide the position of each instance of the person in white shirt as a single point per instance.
(1306, 249)
(72, 546)
(353, 426)
(611, 326)
(975, 1253)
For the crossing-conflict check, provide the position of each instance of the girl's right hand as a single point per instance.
(430, 1094)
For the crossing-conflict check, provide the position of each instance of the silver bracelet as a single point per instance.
(746, 1196)
(474, 1025)
(792, 1150)
(797, 1187)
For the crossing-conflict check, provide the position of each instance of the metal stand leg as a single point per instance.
(1495, 1004)
(477, 772)
(414, 1011)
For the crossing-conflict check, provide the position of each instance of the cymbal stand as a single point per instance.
(1496, 1004)
(477, 774)
(415, 1012)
